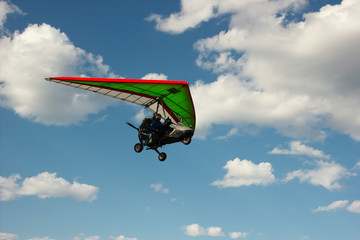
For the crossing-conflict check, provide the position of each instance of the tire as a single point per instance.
(138, 147)
(186, 141)
(162, 156)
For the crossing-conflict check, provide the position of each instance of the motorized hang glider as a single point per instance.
(170, 99)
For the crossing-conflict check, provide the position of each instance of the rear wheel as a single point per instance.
(138, 147)
(162, 156)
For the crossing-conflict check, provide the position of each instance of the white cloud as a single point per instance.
(43, 238)
(232, 101)
(155, 76)
(139, 117)
(231, 133)
(326, 174)
(246, 173)
(8, 236)
(122, 237)
(332, 206)
(222, 62)
(236, 235)
(354, 207)
(100, 119)
(45, 185)
(297, 148)
(298, 77)
(40, 51)
(82, 236)
(9, 187)
(195, 230)
(357, 165)
(5, 9)
(193, 13)
(158, 187)
(215, 232)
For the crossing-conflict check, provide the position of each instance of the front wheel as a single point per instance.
(186, 141)
(162, 156)
(138, 147)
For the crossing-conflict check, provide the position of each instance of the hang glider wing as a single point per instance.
(175, 97)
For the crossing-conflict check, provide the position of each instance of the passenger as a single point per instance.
(156, 128)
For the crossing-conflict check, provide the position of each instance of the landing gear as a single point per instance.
(138, 147)
(162, 156)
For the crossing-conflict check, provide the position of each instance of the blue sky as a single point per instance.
(276, 153)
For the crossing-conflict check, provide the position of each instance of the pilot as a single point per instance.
(156, 127)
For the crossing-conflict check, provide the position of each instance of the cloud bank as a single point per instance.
(325, 174)
(41, 51)
(340, 204)
(8, 236)
(45, 185)
(297, 75)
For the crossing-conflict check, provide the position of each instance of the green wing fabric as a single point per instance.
(174, 96)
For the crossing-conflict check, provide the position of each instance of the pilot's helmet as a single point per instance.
(157, 116)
